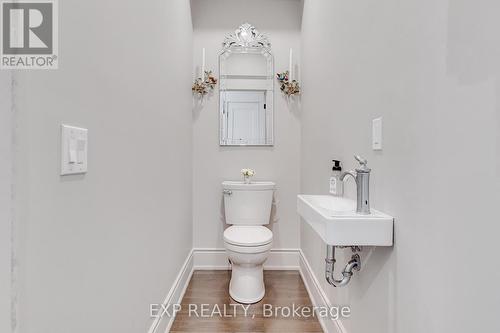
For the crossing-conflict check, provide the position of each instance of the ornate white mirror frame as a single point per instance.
(249, 80)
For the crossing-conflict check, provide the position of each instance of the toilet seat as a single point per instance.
(248, 236)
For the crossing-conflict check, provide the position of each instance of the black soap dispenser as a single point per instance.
(336, 185)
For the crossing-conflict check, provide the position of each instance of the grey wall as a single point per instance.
(5, 198)
(96, 250)
(212, 21)
(431, 69)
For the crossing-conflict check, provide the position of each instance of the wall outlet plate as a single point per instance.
(377, 134)
(73, 150)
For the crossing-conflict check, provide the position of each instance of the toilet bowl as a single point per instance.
(247, 241)
(247, 248)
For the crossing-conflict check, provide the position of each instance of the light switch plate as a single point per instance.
(73, 150)
(377, 134)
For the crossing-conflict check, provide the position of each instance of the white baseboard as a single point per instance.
(318, 296)
(279, 259)
(175, 295)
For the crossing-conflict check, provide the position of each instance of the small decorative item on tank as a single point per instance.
(247, 175)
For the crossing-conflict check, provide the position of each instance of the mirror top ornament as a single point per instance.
(246, 36)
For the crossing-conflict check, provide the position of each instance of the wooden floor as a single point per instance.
(283, 289)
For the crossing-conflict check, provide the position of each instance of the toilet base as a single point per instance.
(247, 276)
(247, 283)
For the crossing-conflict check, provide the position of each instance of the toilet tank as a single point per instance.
(248, 204)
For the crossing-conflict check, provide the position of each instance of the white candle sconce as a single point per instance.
(288, 85)
(206, 82)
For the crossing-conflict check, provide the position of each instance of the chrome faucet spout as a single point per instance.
(347, 173)
(362, 178)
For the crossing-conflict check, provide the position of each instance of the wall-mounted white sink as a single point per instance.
(337, 223)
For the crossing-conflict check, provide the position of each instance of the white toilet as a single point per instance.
(247, 241)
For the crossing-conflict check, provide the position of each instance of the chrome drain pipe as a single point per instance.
(353, 264)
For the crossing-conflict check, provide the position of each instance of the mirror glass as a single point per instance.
(246, 77)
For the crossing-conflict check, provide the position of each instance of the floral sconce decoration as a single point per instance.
(289, 88)
(203, 86)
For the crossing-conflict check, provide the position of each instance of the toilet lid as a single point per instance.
(248, 235)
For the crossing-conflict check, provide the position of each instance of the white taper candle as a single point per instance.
(203, 64)
(290, 65)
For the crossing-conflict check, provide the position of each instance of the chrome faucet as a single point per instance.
(362, 178)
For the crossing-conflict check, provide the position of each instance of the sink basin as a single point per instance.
(337, 223)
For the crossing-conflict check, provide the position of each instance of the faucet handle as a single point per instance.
(362, 161)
